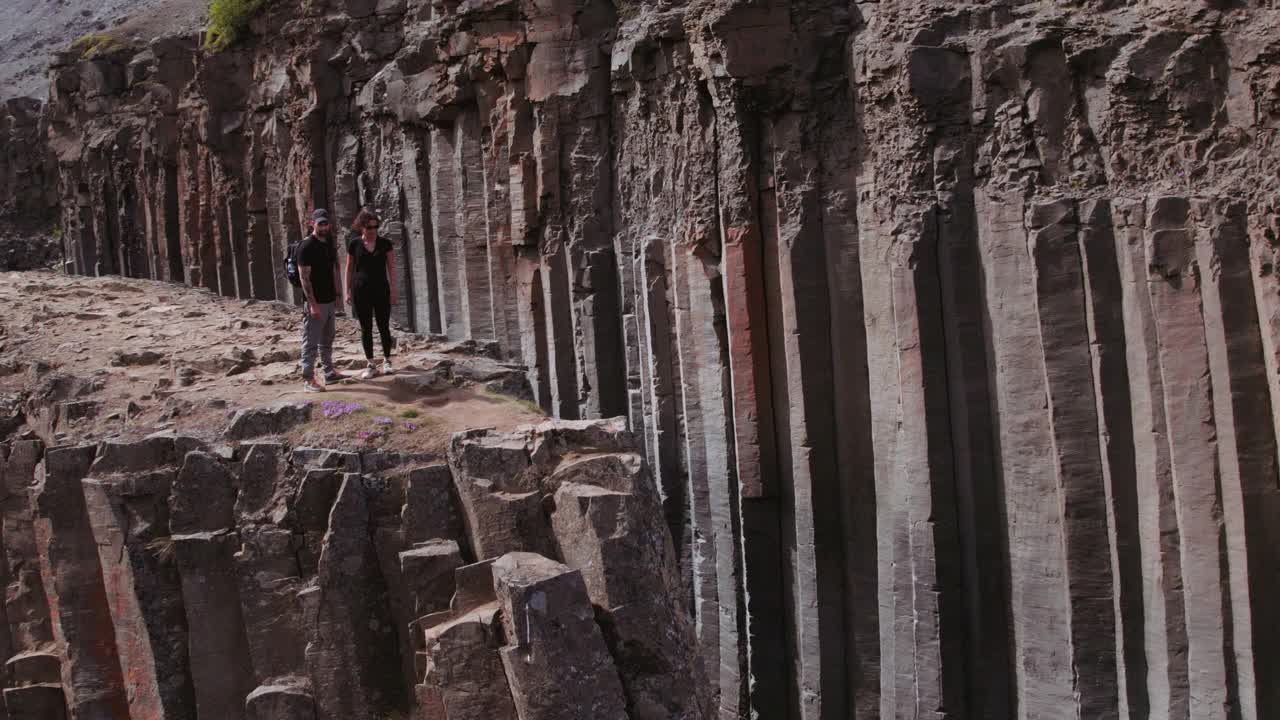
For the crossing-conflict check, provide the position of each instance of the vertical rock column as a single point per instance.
(1108, 346)
(81, 616)
(32, 677)
(205, 541)
(922, 663)
(568, 83)
(473, 263)
(26, 607)
(799, 326)
(1264, 238)
(1246, 451)
(264, 266)
(269, 571)
(442, 165)
(551, 626)
(659, 385)
(352, 653)
(1077, 457)
(1165, 634)
(853, 472)
(710, 508)
(272, 182)
(1040, 608)
(421, 233)
(127, 497)
(608, 523)
(1174, 282)
(921, 666)
(497, 213)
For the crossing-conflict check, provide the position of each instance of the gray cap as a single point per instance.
(320, 214)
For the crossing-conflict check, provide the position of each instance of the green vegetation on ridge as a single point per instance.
(229, 20)
(95, 44)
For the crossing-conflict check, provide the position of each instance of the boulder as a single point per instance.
(500, 493)
(556, 660)
(129, 358)
(463, 676)
(621, 546)
(275, 420)
(428, 575)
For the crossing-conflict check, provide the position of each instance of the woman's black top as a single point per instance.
(370, 265)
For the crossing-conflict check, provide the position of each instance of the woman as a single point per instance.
(371, 286)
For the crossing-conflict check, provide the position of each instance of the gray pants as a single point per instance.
(317, 334)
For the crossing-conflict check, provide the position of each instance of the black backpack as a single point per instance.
(291, 264)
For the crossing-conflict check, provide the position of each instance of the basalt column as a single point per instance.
(1165, 636)
(922, 668)
(420, 237)
(78, 606)
(1246, 448)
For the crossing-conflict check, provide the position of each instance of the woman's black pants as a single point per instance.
(370, 305)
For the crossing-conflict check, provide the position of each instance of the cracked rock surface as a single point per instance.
(944, 337)
(163, 578)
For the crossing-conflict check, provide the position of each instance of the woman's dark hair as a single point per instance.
(366, 215)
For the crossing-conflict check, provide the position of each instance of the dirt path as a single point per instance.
(125, 358)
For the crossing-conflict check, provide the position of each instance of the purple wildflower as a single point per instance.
(383, 420)
(410, 426)
(334, 409)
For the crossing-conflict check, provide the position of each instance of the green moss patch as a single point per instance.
(229, 21)
(96, 44)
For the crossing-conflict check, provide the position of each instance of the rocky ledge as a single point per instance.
(530, 576)
(185, 534)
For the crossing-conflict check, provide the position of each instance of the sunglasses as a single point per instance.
(322, 223)
(372, 226)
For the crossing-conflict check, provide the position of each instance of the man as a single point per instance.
(322, 286)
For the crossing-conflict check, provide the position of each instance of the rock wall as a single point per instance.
(28, 176)
(949, 331)
(164, 579)
(28, 188)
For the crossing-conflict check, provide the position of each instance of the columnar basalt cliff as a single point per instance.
(28, 188)
(164, 578)
(948, 332)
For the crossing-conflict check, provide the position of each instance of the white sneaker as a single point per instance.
(370, 372)
(386, 367)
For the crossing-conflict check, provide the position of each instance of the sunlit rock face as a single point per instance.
(945, 336)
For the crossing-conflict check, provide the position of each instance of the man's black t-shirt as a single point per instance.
(370, 265)
(321, 257)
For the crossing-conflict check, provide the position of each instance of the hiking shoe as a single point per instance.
(370, 372)
(386, 367)
(312, 386)
(334, 377)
